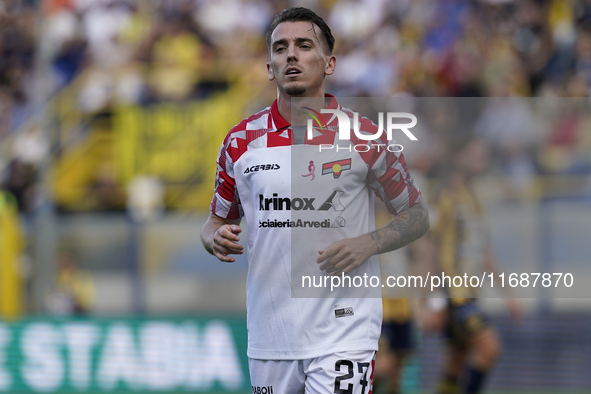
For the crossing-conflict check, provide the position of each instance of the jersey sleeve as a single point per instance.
(390, 180)
(226, 201)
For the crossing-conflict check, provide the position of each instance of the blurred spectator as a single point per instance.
(125, 52)
(105, 193)
(74, 293)
(566, 148)
(30, 146)
(174, 57)
(145, 198)
(17, 46)
(21, 183)
(508, 125)
(583, 56)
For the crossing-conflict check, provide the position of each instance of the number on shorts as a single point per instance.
(362, 367)
(349, 375)
(363, 380)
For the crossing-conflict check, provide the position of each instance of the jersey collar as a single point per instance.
(281, 123)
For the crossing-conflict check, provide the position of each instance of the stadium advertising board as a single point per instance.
(148, 355)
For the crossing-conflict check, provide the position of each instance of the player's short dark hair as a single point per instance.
(301, 14)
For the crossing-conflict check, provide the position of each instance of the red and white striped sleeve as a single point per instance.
(226, 201)
(388, 175)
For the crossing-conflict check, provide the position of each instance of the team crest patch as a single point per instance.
(336, 168)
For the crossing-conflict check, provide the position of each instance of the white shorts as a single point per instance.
(340, 373)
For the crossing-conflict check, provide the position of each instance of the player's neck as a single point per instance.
(284, 103)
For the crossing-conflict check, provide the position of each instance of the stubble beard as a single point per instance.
(295, 90)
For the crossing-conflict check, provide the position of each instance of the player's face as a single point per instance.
(298, 62)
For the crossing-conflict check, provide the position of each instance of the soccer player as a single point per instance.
(397, 338)
(397, 342)
(271, 172)
(461, 246)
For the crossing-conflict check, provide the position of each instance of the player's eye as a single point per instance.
(279, 49)
(306, 46)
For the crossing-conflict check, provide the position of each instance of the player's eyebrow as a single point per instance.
(303, 39)
(298, 40)
(281, 41)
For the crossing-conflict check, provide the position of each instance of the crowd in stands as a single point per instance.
(143, 52)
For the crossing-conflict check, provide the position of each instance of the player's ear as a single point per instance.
(270, 74)
(331, 63)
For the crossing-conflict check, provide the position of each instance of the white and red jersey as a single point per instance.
(297, 200)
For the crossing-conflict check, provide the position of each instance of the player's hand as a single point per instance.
(225, 242)
(346, 255)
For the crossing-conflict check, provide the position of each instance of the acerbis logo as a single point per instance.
(261, 167)
(336, 168)
(277, 203)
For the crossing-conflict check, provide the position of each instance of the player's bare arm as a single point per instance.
(346, 255)
(406, 227)
(220, 237)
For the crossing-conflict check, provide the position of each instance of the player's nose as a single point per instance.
(292, 53)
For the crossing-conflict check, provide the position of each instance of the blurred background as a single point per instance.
(111, 116)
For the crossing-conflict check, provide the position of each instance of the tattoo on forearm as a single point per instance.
(376, 236)
(404, 228)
